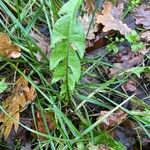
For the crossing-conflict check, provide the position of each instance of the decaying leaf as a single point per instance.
(86, 21)
(111, 18)
(113, 120)
(142, 15)
(146, 35)
(43, 43)
(125, 61)
(7, 49)
(20, 97)
(50, 121)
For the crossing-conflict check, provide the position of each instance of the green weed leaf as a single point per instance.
(138, 70)
(68, 45)
(142, 116)
(105, 138)
(3, 86)
(134, 39)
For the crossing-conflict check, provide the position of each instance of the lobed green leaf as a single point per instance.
(68, 45)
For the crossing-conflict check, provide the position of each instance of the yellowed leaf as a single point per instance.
(111, 18)
(20, 97)
(7, 49)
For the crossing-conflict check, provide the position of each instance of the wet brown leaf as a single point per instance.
(111, 18)
(20, 97)
(50, 120)
(125, 61)
(7, 49)
(142, 15)
(113, 120)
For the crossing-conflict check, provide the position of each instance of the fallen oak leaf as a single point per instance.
(20, 97)
(142, 14)
(7, 49)
(110, 18)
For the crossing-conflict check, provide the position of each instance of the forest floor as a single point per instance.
(53, 98)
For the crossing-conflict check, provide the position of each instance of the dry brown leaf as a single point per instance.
(50, 120)
(142, 15)
(20, 97)
(146, 35)
(111, 18)
(7, 49)
(128, 61)
(89, 6)
(85, 21)
(43, 43)
(113, 120)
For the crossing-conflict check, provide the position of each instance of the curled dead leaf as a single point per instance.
(20, 97)
(7, 49)
(111, 18)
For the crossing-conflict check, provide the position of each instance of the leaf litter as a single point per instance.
(104, 24)
(142, 14)
(20, 97)
(50, 121)
(7, 49)
(111, 18)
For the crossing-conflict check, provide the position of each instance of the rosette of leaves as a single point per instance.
(68, 45)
